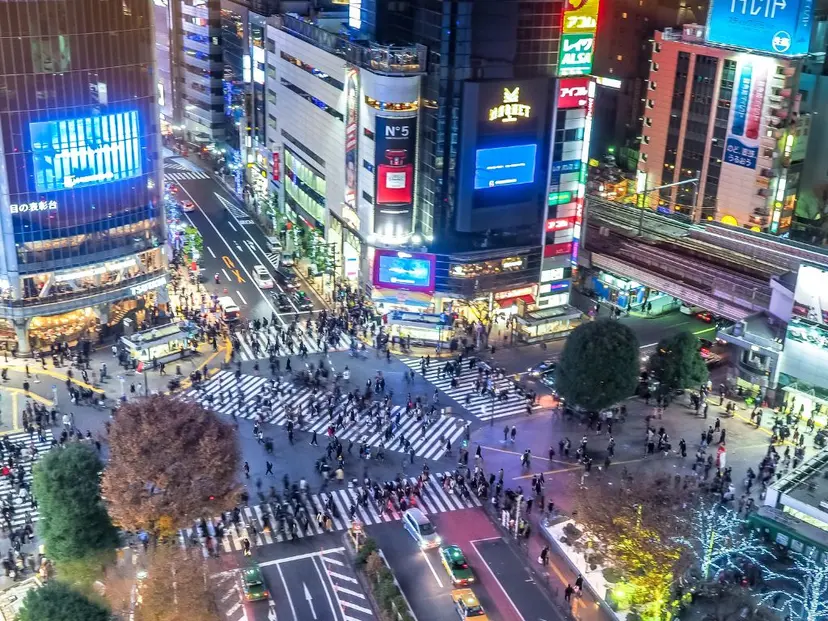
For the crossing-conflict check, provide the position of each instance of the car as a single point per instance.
(282, 302)
(302, 301)
(187, 206)
(262, 277)
(467, 605)
(455, 563)
(421, 529)
(539, 369)
(548, 378)
(172, 188)
(706, 316)
(253, 584)
(287, 277)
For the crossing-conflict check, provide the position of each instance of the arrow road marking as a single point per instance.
(309, 598)
(271, 610)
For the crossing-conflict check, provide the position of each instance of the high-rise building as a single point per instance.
(202, 70)
(80, 217)
(731, 119)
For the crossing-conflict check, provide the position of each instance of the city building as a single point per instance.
(727, 117)
(80, 216)
(168, 24)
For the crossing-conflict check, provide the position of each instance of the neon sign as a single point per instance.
(33, 206)
(580, 22)
(511, 109)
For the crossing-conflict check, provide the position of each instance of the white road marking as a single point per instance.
(309, 599)
(230, 224)
(348, 604)
(342, 577)
(431, 567)
(325, 587)
(210, 250)
(342, 589)
(233, 609)
(502, 588)
(279, 561)
(226, 275)
(287, 592)
(241, 297)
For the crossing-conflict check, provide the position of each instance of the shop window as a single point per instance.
(392, 106)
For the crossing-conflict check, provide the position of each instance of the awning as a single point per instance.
(507, 302)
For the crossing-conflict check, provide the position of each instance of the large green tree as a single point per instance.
(73, 519)
(57, 601)
(599, 366)
(677, 363)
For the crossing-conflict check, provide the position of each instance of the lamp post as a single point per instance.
(646, 192)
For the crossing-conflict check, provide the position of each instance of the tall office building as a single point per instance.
(202, 70)
(80, 217)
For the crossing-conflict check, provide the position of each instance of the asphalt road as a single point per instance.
(233, 246)
(501, 578)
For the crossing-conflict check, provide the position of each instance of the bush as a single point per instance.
(368, 547)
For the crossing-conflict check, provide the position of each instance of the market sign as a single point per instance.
(516, 293)
(33, 206)
(511, 109)
(580, 22)
(559, 224)
(148, 286)
(573, 93)
(559, 198)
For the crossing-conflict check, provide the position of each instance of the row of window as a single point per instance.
(314, 100)
(312, 70)
(301, 146)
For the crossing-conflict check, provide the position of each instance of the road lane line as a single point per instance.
(502, 588)
(241, 297)
(287, 591)
(325, 582)
(212, 254)
(342, 577)
(279, 561)
(230, 224)
(226, 275)
(431, 567)
(341, 589)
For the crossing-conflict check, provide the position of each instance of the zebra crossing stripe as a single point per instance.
(483, 407)
(246, 352)
(225, 395)
(185, 176)
(21, 509)
(434, 500)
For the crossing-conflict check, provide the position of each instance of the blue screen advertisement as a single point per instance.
(777, 26)
(505, 166)
(75, 153)
(403, 270)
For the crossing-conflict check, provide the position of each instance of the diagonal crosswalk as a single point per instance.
(23, 508)
(434, 499)
(225, 395)
(483, 406)
(190, 175)
(265, 337)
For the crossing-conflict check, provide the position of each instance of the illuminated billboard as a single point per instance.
(580, 22)
(743, 130)
(505, 166)
(395, 142)
(404, 270)
(776, 26)
(811, 294)
(75, 153)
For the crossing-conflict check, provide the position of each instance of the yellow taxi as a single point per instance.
(467, 606)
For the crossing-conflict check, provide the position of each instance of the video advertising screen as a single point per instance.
(505, 166)
(811, 294)
(403, 270)
(75, 153)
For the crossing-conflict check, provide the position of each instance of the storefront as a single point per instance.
(630, 295)
(507, 302)
(68, 328)
(421, 329)
(164, 344)
(387, 300)
(807, 401)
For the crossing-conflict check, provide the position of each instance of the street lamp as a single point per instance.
(646, 192)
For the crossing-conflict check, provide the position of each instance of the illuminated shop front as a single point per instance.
(419, 328)
(403, 280)
(628, 294)
(545, 324)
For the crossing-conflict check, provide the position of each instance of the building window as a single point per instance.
(312, 70)
(368, 166)
(650, 103)
(619, 57)
(392, 107)
(368, 197)
(314, 100)
(304, 149)
(368, 133)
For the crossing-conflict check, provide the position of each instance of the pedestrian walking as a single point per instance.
(314, 441)
(268, 468)
(568, 593)
(246, 470)
(513, 433)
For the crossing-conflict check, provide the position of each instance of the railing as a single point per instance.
(386, 59)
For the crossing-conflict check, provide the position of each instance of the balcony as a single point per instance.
(73, 300)
(382, 59)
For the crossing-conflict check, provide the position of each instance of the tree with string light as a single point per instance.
(801, 589)
(718, 539)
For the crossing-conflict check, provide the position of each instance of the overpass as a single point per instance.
(723, 269)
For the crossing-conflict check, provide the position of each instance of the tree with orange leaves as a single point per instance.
(170, 463)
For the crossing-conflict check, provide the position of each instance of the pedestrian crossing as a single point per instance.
(265, 337)
(273, 259)
(189, 175)
(433, 499)
(484, 407)
(223, 394)
(22, 506)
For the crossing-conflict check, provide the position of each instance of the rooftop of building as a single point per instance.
(808, 483)
(329, 31)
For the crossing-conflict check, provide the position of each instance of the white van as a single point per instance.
(229, 310)
(274, 245)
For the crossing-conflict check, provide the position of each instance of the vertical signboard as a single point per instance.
(744, 126)
(580, 21)
(395, 140)
(351, 129)
(277, 160)
(775, 26)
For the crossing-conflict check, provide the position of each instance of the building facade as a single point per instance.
(202, 70)
(729, 118)
(80, 215)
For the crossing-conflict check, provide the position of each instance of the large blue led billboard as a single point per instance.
(75, 153)
(505, 166)
(404, 270)
(776, 26)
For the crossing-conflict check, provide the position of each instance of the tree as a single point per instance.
(57, 601)
(599, 365)
(176, 587)
(718, 539)
(677, 362)
(801, 590)
(73, 518)
(637, 522)
(170, 462)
